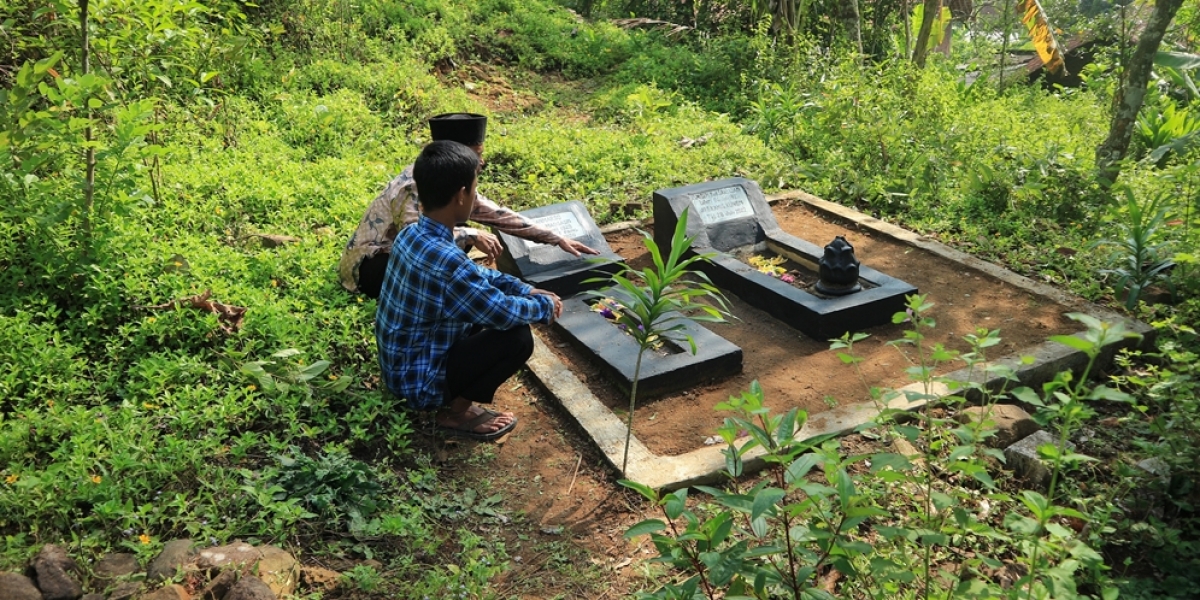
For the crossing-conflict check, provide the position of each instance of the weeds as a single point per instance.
(1139, 257)
(888, 524)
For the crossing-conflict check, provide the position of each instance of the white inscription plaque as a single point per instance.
(725, 204)
(565, 224)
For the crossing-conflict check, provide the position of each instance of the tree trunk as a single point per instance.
(852, 21)
(933, 8)
(1133, 90)
(89, 160)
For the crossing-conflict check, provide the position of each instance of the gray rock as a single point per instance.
(219, 586)
(57, 574)
(125, 589)
(250, 588)
(1011, 423)
(170, 592)
(92, 596)
(905, 448)
(174, 555)
(275, 567)
(113, 567)
(1022, 457)
(238, 554)
(1155, 466)
(15, 586)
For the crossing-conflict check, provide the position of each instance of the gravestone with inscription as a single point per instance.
(550, 267)
(731, 218)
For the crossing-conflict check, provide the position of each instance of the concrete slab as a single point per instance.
(661, 373)
(705, 465)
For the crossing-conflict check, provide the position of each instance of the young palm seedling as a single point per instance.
(656, 299)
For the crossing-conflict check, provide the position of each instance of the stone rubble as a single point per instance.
(182, 571)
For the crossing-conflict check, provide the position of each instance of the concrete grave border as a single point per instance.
(607, 431)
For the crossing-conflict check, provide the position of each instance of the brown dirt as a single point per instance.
(550, 477)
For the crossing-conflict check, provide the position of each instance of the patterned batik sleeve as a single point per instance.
(510, 222)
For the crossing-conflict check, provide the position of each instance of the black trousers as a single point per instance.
(477, 365)
(370, 274)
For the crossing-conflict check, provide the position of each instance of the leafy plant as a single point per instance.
(281, 376)
(886, 524)
(1139, 259)
(1164, 127)
(657, 298)
(363, 577)
(331, 485)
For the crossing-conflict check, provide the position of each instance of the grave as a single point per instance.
(696, 462)
(550, 267)
(730, 218)
(553, 269)
(671, 368)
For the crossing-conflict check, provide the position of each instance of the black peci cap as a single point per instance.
(465, 128)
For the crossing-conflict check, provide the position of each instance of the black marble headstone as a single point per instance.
(724, 215)
(550, 267)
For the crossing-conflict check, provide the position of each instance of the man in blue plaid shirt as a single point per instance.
(449, 331)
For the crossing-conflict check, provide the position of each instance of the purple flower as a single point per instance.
(607, 313)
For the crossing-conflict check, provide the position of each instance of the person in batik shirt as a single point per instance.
(365, 259)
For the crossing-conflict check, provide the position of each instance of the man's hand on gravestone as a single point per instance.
(487, 244)
(558, 304)
(575, 247)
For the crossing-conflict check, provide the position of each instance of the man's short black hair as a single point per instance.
(443, 168)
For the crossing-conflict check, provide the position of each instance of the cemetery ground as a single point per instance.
(565, 539)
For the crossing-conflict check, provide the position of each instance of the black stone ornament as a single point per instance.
(838, 269)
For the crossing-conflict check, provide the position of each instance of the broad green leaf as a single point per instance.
(675, 503)
(889, 460)
(759, 527)
(765, 501)
(312, 370)
(645, 527)
(801, 466)
(1177, 60)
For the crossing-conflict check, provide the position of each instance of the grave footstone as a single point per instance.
(550, 267)
(670, 369)
(730, 218)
